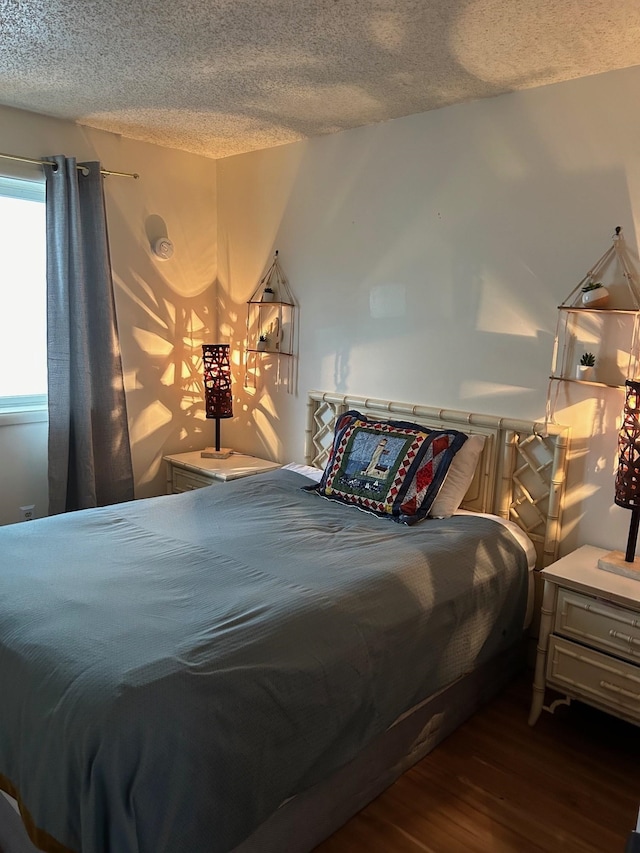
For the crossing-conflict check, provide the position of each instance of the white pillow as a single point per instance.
(458, 479)
(314, 474)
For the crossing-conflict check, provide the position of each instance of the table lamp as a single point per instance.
(627, 489)
(217, 392)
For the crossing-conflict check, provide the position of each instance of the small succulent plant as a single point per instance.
(592, 285)
(588, 359)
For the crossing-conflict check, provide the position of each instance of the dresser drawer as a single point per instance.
(186, 481)
(606, 682)
(603, 626)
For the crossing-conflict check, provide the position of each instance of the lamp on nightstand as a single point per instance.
(628, 483)
(217, 392)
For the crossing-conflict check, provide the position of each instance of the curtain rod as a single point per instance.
(82, 169)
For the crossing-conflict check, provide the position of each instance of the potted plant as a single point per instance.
(594, 294)
(262, 343)
(585, 367)
(268, 294)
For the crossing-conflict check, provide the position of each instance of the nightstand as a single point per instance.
(187, 471)
(589, 645)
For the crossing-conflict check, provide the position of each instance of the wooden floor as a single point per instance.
(571, 784)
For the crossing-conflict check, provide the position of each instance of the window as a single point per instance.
(23, 316)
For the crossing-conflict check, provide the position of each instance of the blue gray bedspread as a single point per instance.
(173, 669)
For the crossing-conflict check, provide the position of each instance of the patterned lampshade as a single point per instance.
(217, 381)
(628, 475)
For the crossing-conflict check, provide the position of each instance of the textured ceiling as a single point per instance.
(220, 77)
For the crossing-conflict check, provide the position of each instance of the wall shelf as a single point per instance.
(610, 331)
(593, 382)
(271, 312)
(578, 309)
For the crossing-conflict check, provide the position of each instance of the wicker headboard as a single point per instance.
(520, 475)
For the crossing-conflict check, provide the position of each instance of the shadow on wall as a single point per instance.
(163, 320)
(480, 223)
(451, 279)
(257, 423)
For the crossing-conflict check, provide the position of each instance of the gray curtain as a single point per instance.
(89, 452)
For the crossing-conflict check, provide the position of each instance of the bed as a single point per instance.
(242, 668)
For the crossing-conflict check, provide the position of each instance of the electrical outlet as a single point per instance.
(27, 512)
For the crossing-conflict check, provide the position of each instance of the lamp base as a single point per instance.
(212, 453)
(615, 562)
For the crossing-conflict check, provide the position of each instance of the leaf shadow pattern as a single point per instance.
(163, 338)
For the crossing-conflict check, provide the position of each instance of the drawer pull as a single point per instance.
(627, 638)
(607, 685)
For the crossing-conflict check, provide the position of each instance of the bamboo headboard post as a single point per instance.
(323, 410)
(536, 507)
(521, 473)
(556, 497)
(504, 497)
(308, 432)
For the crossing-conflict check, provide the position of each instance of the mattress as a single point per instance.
(180, 667)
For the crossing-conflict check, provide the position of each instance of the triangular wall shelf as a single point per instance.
(601, 316)
(272, 343)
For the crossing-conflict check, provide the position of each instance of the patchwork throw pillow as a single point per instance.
(389, 468)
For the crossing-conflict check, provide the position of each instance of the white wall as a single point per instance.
(429, 254)
(166, 310)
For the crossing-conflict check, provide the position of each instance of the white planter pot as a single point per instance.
(261, 346)
(584, 372)
(268, 296)
(596, 298)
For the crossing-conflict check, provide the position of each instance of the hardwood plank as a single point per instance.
(569, 784)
